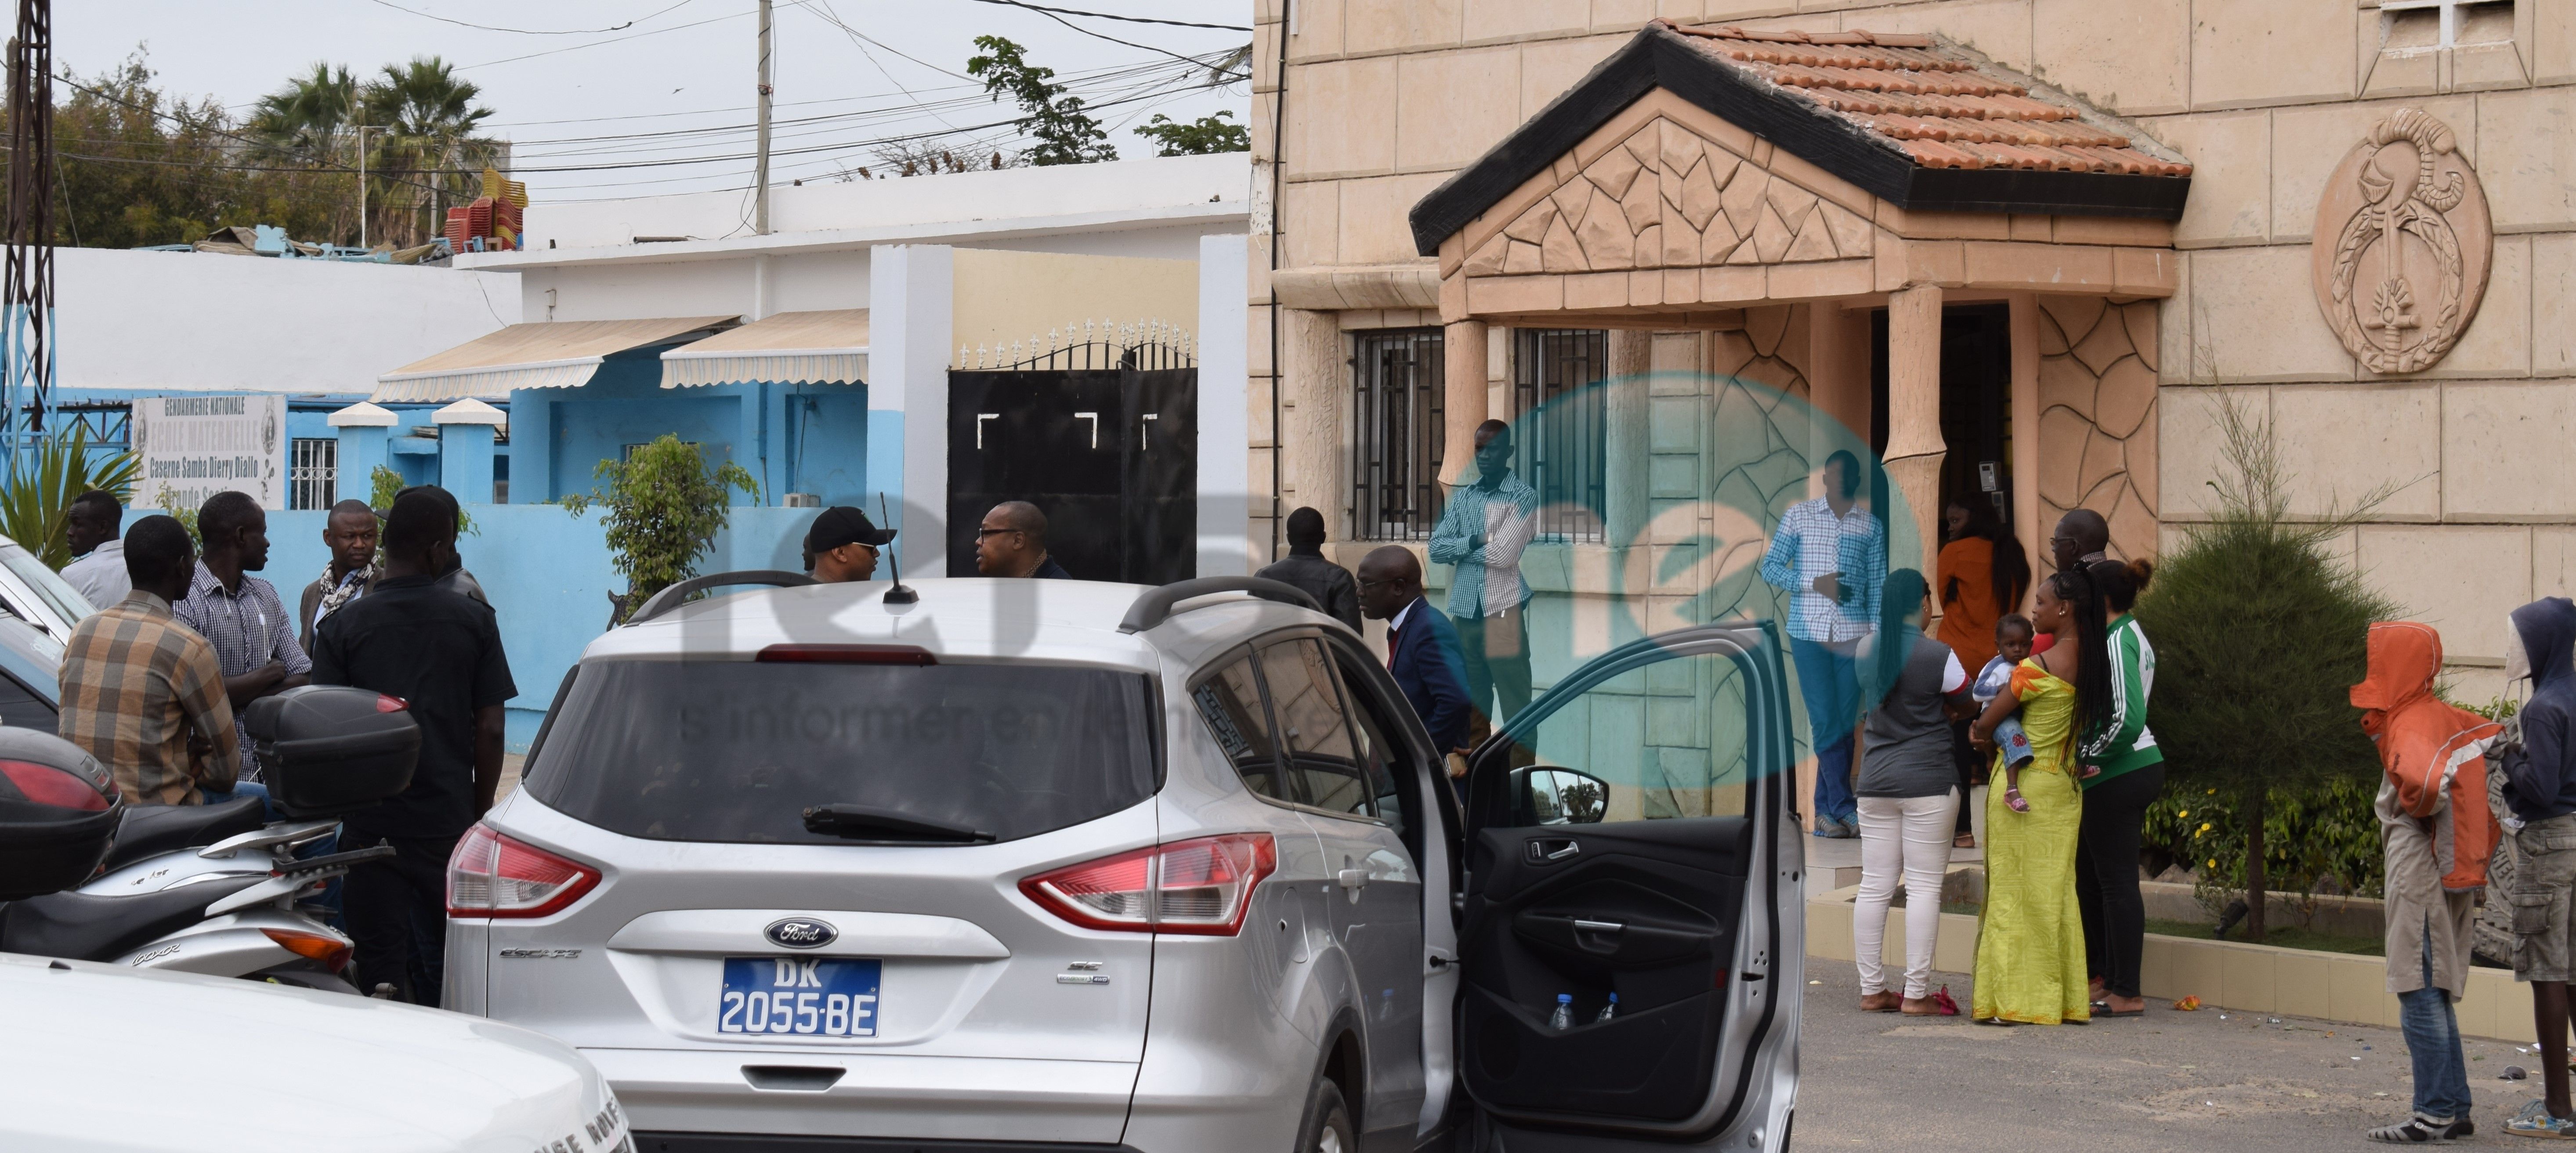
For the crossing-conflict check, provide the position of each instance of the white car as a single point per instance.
(101, 1059)
(1057, 865)
(39, 595)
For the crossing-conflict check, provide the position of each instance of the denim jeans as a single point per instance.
(1828, 678)
(242, 789)
(2433, 1039)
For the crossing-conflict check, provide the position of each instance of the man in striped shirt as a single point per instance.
(141, 691)
(1830, 556)
(239, 614)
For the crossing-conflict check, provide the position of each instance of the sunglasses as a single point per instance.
(981, 533)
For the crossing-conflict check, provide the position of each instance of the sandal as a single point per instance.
(1964, 841)
(2013, 801)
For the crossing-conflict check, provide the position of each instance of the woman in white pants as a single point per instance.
(1909, 798)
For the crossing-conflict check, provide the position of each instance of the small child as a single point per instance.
(2013, 636)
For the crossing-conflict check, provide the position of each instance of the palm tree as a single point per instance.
(430, 119)
(313, 119)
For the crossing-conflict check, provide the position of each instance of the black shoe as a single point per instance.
(2418, 1131)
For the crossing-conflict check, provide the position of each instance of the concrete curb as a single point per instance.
(2226, 975)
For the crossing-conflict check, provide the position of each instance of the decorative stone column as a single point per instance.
(362, 429)
(1627, 444)
(466, 430)
(1464, 402)
(1914, 445)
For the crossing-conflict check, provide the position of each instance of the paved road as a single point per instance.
(2165, 1081)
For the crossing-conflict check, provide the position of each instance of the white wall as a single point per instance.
(798, 282)
(197, 321)
(1061, 190)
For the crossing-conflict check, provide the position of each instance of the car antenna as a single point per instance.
(898, 595)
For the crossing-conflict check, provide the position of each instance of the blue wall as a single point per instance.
(548, 574)
(791, 438)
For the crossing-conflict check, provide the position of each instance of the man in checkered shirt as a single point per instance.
(241, 615)
(141, 692)
(1830, 555)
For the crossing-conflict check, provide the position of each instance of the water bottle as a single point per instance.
(1563, 1018)
(1608, 1011)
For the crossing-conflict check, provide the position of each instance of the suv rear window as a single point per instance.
(736, 751)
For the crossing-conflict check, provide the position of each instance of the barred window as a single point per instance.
(1563, 419)
(313, 478)
(1396, 441)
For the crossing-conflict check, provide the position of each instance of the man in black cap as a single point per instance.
(842, 546)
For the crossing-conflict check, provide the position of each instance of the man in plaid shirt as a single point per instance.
(1830, 555)
(241, 615)
(141, 691)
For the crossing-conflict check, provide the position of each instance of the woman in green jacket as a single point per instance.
(2116, 799)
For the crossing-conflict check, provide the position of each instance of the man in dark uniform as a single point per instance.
(440, 651)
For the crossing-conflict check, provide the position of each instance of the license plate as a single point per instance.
(799, 996)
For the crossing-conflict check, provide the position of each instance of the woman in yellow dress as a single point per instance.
(2030, 939)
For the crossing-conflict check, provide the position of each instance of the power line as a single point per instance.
(1108, 16)
(1050, 13)
(597, 43)
(529, 31)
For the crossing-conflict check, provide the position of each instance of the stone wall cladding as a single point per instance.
(2264, 97)
(2097, 390)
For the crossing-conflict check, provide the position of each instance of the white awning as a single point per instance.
(789, 348)
(559, 354)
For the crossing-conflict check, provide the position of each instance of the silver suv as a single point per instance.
(1063, 865)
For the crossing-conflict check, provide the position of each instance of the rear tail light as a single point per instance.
(491, 875)
(1201, 886)
(828, 654)
(331, 952)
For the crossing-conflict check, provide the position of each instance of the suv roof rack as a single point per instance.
(1155, 607)
(672, 596)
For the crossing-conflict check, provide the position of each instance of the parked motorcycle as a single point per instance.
(201, 889)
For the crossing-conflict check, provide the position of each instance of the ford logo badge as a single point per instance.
(801, 933)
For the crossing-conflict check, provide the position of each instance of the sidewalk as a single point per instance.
(2213, 1079)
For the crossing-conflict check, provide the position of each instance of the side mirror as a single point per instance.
(1548, 795)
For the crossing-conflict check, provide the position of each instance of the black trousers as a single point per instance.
(1496, 649)
(397, 914)
(2106, 876)
(1972, 771)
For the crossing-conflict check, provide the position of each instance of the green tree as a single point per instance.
(42, 482)
(1198, 137)
(2260, 632)
(138, 166)
(430, 124)
(665, 505)
(1063, 132)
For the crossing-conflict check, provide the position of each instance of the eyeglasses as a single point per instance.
(981, 533)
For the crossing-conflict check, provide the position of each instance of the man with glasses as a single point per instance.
(842, 545)
(1012, 543)
(2082, 538)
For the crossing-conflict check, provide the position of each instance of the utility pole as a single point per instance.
(362, 186)
(27, 281)
(760, 169)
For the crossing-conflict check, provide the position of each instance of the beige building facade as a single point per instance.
(2023, 249)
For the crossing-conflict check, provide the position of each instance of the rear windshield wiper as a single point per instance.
(862, 822)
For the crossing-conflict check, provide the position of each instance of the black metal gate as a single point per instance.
(1102, 437)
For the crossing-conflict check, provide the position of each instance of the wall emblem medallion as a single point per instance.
(2403, 245)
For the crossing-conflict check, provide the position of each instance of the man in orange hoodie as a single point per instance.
(2438, 832)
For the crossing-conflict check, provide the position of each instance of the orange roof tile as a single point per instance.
(1945, 109)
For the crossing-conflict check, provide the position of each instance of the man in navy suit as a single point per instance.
(1421, 645)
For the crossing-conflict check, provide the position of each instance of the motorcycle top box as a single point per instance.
(58, 814)
(327, 749)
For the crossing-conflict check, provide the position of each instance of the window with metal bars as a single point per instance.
(1396, 434)
(1561, 430)
(313, 477)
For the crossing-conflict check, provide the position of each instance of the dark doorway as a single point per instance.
(1976, 404)
(1110, 455)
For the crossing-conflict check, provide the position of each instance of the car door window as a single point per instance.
(1377, 752)
(1313, 727)
(1664, 741)
(21, 709)
(1229, 699)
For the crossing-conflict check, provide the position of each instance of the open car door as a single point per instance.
(1632, 935)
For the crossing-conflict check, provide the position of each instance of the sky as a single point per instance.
(642, 84)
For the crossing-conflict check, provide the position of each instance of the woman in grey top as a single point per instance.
(1908, 789)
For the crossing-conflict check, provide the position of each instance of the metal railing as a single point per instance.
(1397, 433)
(1560, 436)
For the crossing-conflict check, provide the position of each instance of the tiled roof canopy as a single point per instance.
(1945, 110)
(1912, 119)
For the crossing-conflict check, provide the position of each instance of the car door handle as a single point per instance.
(1553, 849)
(1584, 926)
(1352, 878)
